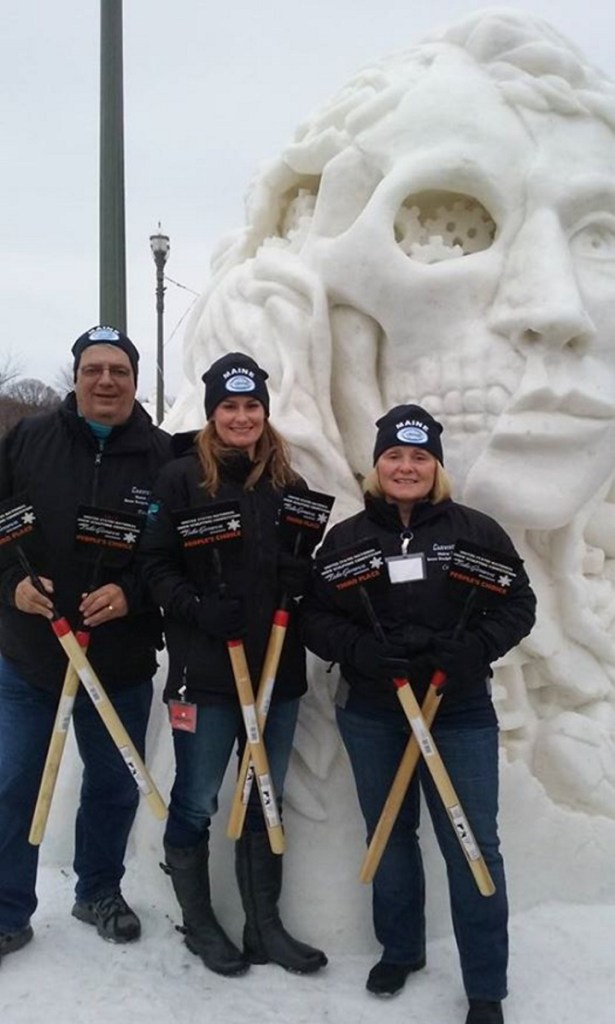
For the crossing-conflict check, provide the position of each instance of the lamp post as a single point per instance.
(160, 247)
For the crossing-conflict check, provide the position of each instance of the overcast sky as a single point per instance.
(212, 90)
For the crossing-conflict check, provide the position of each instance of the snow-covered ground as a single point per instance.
(561, 873)
(562, 953)
(562, 971)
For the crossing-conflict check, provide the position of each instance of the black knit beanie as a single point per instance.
(231, 376)
(409, 425)
(103, 335)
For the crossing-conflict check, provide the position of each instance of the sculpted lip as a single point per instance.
(553, 428)
(570, 403)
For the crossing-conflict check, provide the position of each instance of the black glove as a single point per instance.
(293, 573)
(415, 639)
(380, 660)
(463, 660)
(222, 617)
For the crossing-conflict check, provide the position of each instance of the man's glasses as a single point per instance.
(95, 370)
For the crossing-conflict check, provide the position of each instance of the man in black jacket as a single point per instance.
(99, 449)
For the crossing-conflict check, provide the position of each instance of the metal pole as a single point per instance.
(160, 258)
(112, 232)
(160, 246)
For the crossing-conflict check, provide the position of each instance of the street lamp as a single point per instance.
(160, 247)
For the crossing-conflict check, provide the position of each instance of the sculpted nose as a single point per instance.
(538, 300)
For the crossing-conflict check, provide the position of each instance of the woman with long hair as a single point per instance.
(238, 456)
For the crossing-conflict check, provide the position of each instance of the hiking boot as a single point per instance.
(387, 980)
(12, 941)
(113, 918)
(484, 1012)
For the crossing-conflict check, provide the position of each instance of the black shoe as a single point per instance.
(113, 918)
(388, 979)
(12, 941)
(484, 1012)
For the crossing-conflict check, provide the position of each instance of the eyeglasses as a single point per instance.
(95, 370)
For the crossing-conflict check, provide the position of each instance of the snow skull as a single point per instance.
(443, 232)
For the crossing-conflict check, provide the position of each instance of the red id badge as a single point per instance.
(182, 715)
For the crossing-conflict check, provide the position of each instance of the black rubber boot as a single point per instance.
(203, 934)
(265, 940)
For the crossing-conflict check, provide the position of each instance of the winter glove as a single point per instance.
(293, 573)
(222, 617)
(416, 640)
(379, 660)
(463, 660)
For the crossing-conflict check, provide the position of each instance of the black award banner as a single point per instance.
(18, 529)
(208, 528)
(347, 572)
(110, 535)
(490, 573)
(303, 519)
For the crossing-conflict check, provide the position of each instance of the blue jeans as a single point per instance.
(108, 801)
(201, 759)
(375, 743)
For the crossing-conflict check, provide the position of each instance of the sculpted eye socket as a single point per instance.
(594, 239)
(434, 226)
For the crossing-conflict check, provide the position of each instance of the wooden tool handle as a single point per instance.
(445, 788)
(399, 788)
(266, 684)
(256, 746)
(110, 717)
(54, 756)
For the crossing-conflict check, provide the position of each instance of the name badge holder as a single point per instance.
(182, 713)
(406, 568)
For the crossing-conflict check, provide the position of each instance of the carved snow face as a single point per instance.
(556, 305)
(480, 243)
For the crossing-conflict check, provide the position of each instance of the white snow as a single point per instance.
(562, 953)
(561, 973)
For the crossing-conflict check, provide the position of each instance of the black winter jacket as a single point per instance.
(196, 659)
(330, 629)
(57, 461)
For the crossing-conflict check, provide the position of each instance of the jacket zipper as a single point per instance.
(97, 462)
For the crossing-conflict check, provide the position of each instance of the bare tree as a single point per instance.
(23, 398)
(9, 370)
(32, 392)
(64, 380)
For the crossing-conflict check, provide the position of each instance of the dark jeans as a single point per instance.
(201, 759)
(108, 801)
(375, 743)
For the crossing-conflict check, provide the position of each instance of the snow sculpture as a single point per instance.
(443, 231)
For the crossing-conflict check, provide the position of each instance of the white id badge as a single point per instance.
(406, 568)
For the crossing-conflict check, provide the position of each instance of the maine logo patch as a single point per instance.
(412, 435)
(239, 383)
(104, 334)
